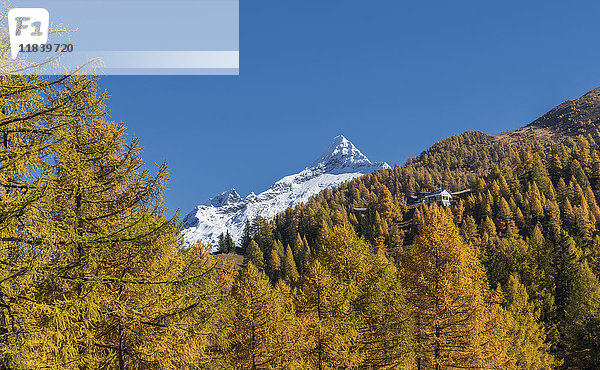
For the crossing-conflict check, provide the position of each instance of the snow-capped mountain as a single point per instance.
(340, 162)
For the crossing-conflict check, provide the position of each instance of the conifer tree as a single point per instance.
(469, 230)
(489, 227)
(290, 271)
(91, 277)
(580, 342)
(506, 224)
(274, 266)
(34, 112)
(568, 212)
(325, 313)
(228, 244)
(193, 310)
(593, 256)
(528, 348)
(457, 322)
(262, 233)
(262, 327)
(109, 285)
(365, 301)
(304, 257)
(221, 248)
(254, 255)
(297, 247)
(246, 237)
(566, 259)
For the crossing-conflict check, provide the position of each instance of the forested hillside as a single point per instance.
(95, 276)
(530, 218)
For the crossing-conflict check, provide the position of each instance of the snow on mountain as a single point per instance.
(228, 197)
(340, 162)
(340, 155)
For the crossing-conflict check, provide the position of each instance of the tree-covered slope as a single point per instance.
(531, 214)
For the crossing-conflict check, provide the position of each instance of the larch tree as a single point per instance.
(580, 341)
(254, 255)
(324, 312)
(261, 328)
(290, 272)
(593, 255)
(188, 300)
(108, 291)
(107, 220)
(354, 306)
(34, 115)
(91, 276)
(528, 348)
(458, 323)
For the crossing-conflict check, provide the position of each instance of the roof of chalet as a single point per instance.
(433, 193)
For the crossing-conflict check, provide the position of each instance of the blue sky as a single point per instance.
(392, 76)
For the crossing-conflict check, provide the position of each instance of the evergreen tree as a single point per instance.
(580, 342)
(566, 257)
(593, 256)
(221, 248)
(303, 257)
(246, 237)
(228, 244)
(254, 255)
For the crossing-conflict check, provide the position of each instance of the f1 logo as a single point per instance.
(27, 26)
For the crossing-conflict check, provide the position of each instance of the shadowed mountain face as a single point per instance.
(568, 120)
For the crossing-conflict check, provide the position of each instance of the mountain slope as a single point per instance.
(340, 162)
(453, 163)
(570, 119)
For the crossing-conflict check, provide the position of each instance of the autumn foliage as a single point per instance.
(93, 274)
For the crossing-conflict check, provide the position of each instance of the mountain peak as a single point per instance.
(225, 198)
(341, 153)
(340, 162)
(340, 140)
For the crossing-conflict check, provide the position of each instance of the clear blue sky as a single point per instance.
(392, 76)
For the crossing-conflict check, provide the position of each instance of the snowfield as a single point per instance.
(340, 162)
